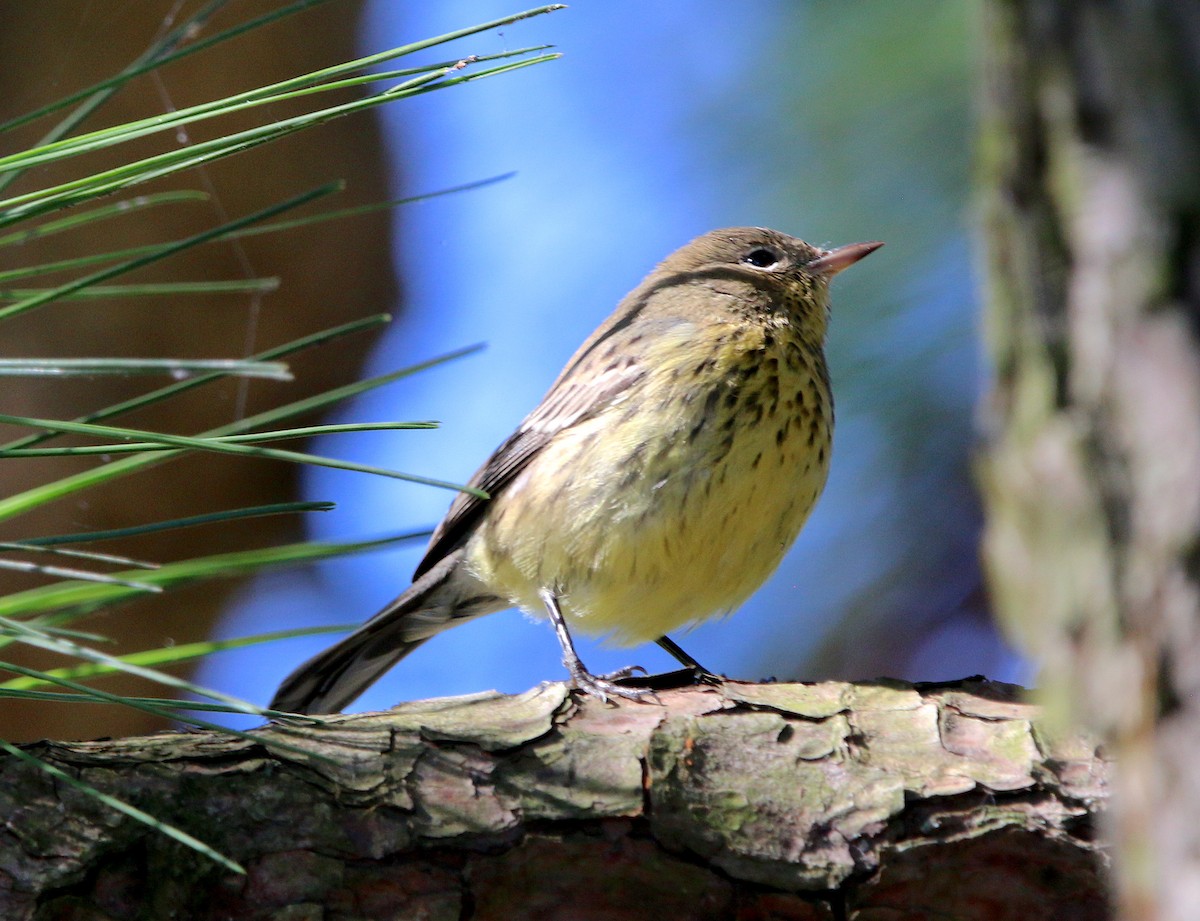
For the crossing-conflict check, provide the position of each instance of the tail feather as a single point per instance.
(331, 680)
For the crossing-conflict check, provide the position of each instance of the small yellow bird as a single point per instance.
(658, 483)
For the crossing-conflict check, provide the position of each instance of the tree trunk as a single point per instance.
(784, 801)
(1091, 158)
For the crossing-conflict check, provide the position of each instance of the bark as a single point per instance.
(750, 801)
(1091, 473)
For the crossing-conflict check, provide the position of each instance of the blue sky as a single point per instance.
(660, 122)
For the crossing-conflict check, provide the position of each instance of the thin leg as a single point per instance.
(703, 675)
(602, 688)
(680, 656)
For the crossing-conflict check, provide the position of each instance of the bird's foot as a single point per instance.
(603, 687)
(704, 676)
(679, 678)
(622, 674)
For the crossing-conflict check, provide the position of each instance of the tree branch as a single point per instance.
(772, 800)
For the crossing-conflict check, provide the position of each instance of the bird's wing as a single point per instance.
(572, 399)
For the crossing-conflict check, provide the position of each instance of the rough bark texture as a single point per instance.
(784, 801)
(1091, 152)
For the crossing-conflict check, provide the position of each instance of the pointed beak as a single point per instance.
(834, 260)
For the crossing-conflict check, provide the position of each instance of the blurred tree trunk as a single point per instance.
(1091, 469)
(776, 801)
(330, 274)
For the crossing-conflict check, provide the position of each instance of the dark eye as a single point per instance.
(761, 257)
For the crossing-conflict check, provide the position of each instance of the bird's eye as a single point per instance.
(761, 257)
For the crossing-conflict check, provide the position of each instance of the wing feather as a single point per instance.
(570, 401)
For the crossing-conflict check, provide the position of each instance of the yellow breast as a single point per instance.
(675, 503)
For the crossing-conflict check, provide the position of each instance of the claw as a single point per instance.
(601, 686)
(627, 672)
(604, 686)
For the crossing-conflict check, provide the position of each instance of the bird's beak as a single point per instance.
(834, 260)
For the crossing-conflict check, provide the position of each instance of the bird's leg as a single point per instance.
(679, 655)
(602, 687)
(702, 674)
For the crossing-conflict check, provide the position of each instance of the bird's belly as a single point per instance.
(654, 530)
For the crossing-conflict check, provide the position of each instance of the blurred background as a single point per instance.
(833, 122)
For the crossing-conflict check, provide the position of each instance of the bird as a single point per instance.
(658, 483)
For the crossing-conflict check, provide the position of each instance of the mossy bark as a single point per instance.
(747, 801)
(1091, 463)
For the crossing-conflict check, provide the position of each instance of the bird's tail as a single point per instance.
(331, 680)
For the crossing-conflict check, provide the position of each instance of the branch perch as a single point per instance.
(744, 801)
